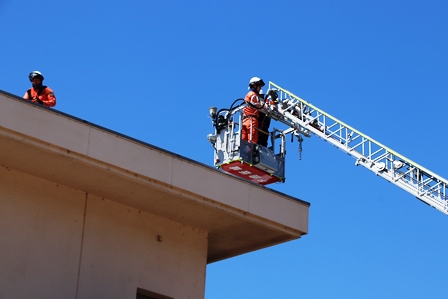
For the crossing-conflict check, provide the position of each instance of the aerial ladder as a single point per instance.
(266, 165)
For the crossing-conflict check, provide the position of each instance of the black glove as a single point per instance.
(37, 100)
(273, 94)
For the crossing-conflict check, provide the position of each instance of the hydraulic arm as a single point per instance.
(303, 117)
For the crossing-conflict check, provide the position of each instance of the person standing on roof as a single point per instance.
(39, 93)
(249, 130)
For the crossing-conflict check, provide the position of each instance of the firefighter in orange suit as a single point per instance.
(249, 130)
(39, 93)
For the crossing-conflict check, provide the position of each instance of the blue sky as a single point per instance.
(151, 69)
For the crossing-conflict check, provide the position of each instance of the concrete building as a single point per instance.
(86, 212)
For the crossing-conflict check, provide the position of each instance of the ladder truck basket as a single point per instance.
(232, 154)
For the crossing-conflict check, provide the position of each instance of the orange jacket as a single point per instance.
(251, 97)
(44, 96)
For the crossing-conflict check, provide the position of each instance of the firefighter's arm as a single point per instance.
(259, 103)
(254, 100)
(50, 100)
(25, 96)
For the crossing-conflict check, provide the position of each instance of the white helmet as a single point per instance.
(256, 81)
(35, 74)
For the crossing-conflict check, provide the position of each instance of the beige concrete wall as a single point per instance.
(48, 249)
(40, 236)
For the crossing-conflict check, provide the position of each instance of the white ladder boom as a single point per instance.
(415, 179)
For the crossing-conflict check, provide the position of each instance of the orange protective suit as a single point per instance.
(44, 95)
(249, 130)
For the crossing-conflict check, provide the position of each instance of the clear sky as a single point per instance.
(151, 69)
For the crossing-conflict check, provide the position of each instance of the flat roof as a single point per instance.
(88, 157)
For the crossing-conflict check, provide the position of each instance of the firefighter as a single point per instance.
(249, 130)
(39, 93)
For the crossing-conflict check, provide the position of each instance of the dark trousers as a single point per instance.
(263, 129)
